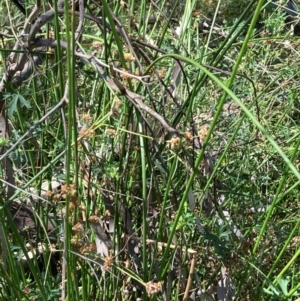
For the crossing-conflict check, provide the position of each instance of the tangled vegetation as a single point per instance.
(149, 150)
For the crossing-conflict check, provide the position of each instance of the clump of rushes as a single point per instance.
(236, 197)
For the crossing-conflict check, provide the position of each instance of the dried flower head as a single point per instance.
(125, 75)
(97, 45)
(196, 13)
(91, 248)
(56, 198)
(78, 228)
(86, 117)
(111, 133)
(153, 288)
(138, 73)
(129, 57)
(63, 188)
(82, 207)
(108, 261)
(73, 191)
(72, 206)
(118, 102)
(86, 132)
(188, 137)
(203, 132)
(174, 142)
(83, 130)
(94, 219)
(49, 194)
(161, 73)
(68, 190)
(107, 213)
(51, 34)
(75, 241)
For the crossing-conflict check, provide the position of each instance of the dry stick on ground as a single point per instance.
(190, 278)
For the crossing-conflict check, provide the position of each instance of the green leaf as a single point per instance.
(24, 102)
(283, 285)
(13, 104)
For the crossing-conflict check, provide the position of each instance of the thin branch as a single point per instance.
(81, 18)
